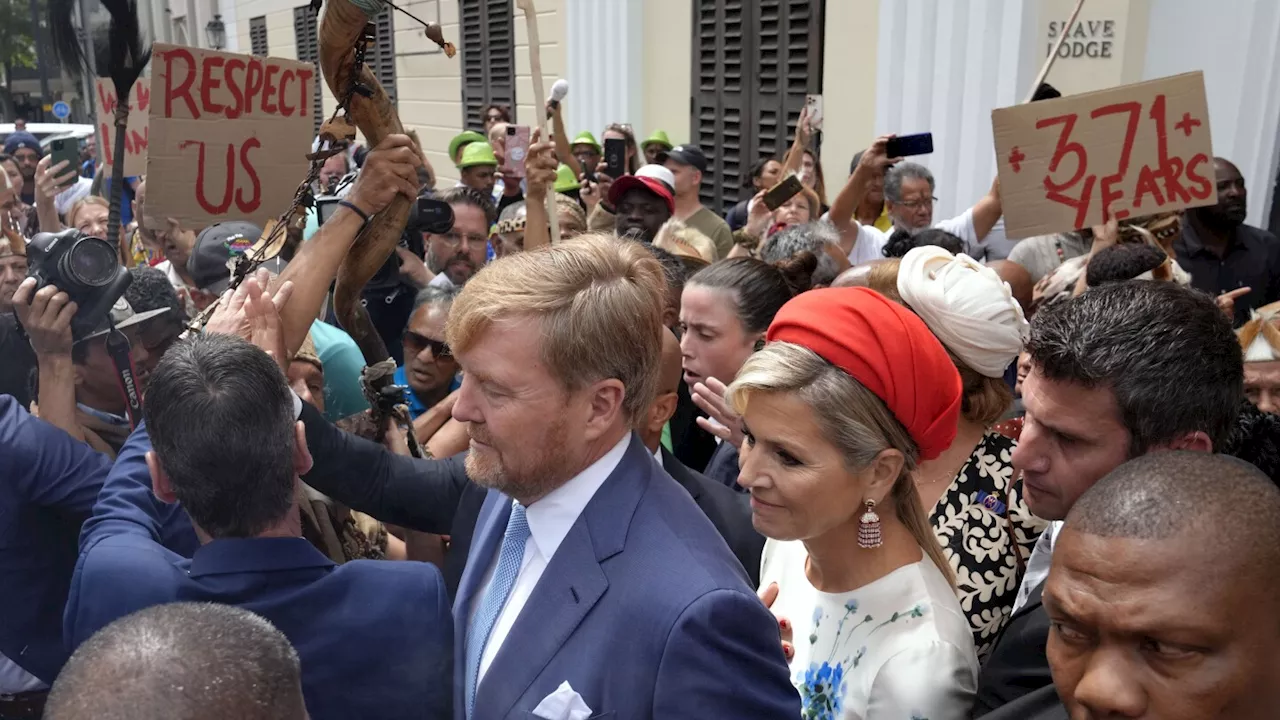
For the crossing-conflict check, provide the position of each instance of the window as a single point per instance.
(381, 57)
(258, 35)
(305, 36)
(488, 58)
(754, 62)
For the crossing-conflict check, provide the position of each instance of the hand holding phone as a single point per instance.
(813, 103)
(67, 150)
(783, 191)
(615, 157)
(517, 149)
(904, 145)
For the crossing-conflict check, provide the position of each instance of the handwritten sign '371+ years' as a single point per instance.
(1079, 161)
(229, 134)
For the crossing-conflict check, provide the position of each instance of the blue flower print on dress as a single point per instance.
(822, 693)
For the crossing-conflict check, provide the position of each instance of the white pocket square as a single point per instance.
(563, 704)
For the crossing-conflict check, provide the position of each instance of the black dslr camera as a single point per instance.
(86, 268)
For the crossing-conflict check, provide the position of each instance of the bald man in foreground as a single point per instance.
(1164, 593)
(182, 661)
(729, 511)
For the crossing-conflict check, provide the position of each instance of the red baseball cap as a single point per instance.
(654, 178)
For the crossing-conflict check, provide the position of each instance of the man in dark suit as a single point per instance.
(560, 353)
(375, 637)
(1111, 378)
(729, 511)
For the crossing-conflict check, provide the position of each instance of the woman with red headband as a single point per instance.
(850, 394)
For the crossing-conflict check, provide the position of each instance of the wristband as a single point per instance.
(352, 207)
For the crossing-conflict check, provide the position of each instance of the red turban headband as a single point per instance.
(888, 349)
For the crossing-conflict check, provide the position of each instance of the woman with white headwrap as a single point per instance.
(975, 505)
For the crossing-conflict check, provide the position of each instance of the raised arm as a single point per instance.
(564, 151)
(416, 494)
(987, 211)
(391, 169)
(46, 315)
(875, 160)
(795, 156)
(540, 174)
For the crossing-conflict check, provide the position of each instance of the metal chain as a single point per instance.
(246, 263)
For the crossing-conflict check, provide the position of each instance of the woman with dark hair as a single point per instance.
(765, 173)
(725, 310)
(494, 114)
(850, 395)
(901, 242)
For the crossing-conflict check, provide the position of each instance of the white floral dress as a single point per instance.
(982, 523)
(897, 649)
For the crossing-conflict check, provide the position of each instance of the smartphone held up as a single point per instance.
(517, 149)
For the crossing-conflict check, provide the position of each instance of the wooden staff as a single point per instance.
(540, 100)
(1048, 63)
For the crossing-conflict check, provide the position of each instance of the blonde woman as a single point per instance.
(850, 394)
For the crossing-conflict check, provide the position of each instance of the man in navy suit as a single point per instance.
(593, 576)
(374, 636)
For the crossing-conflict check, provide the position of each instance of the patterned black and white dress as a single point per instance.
(981, 522)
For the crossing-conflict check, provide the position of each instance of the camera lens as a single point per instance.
(91, 262)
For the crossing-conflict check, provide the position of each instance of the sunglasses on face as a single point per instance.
(415, 343)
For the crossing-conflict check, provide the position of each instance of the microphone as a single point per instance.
(558, 92)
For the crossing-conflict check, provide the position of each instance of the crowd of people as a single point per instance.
(818, 457)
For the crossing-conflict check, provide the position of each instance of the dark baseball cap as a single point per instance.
(685, 155)
(214, 248)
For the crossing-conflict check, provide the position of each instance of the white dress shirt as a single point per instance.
(14, 680)
(871, 240)
(550, 520)
(1037, 564)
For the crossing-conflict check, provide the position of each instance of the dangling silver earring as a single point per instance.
(869, 528)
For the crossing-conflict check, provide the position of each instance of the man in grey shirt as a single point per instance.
(1042, 254)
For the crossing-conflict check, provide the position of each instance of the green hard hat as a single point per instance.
(658, 137)
(586, 138)
(469, 136)
(565, 181)
(477, 153)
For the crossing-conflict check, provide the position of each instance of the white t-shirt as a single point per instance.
(899, 647)
(871, 240)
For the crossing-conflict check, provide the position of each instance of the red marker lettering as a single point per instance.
(250, 205)
(269, 90)
(233, 86)
(1110, 193)
(209, 83)
(200, 176)
(304, 82)
(1147, 185)
(1204, 188)
(252, 84)
(1170, 167)
(106, 98)
(285, 77)
(1055, 191)
(143, 91)
(183, 90)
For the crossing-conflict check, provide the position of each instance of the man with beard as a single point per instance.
(1223, 254)
(429, 371)
(642, 202)
(456, 255)
(560, 350)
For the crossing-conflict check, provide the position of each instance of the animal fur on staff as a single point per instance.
(122, 60)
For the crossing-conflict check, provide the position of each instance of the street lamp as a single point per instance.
(216, 31)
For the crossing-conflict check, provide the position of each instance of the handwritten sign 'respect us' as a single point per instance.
(138, 132)
(1079, 161)
(229, 136)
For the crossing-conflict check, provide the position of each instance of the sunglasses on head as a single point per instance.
(417, 343)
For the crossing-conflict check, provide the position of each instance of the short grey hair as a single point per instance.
(903, 170)
(798, 238)
(513, 211)
(435, 296)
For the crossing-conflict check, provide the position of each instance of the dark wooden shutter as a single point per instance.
(755, 60)
(258, 35)
(488, 58)
(308, 42)
(382, 56)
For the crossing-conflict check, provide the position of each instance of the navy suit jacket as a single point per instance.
(643, 610)
(374, 637)
(48, 484)
(729, 511)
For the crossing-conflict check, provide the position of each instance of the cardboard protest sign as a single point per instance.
(1130, 151)
(137, 134)
(229, 136)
